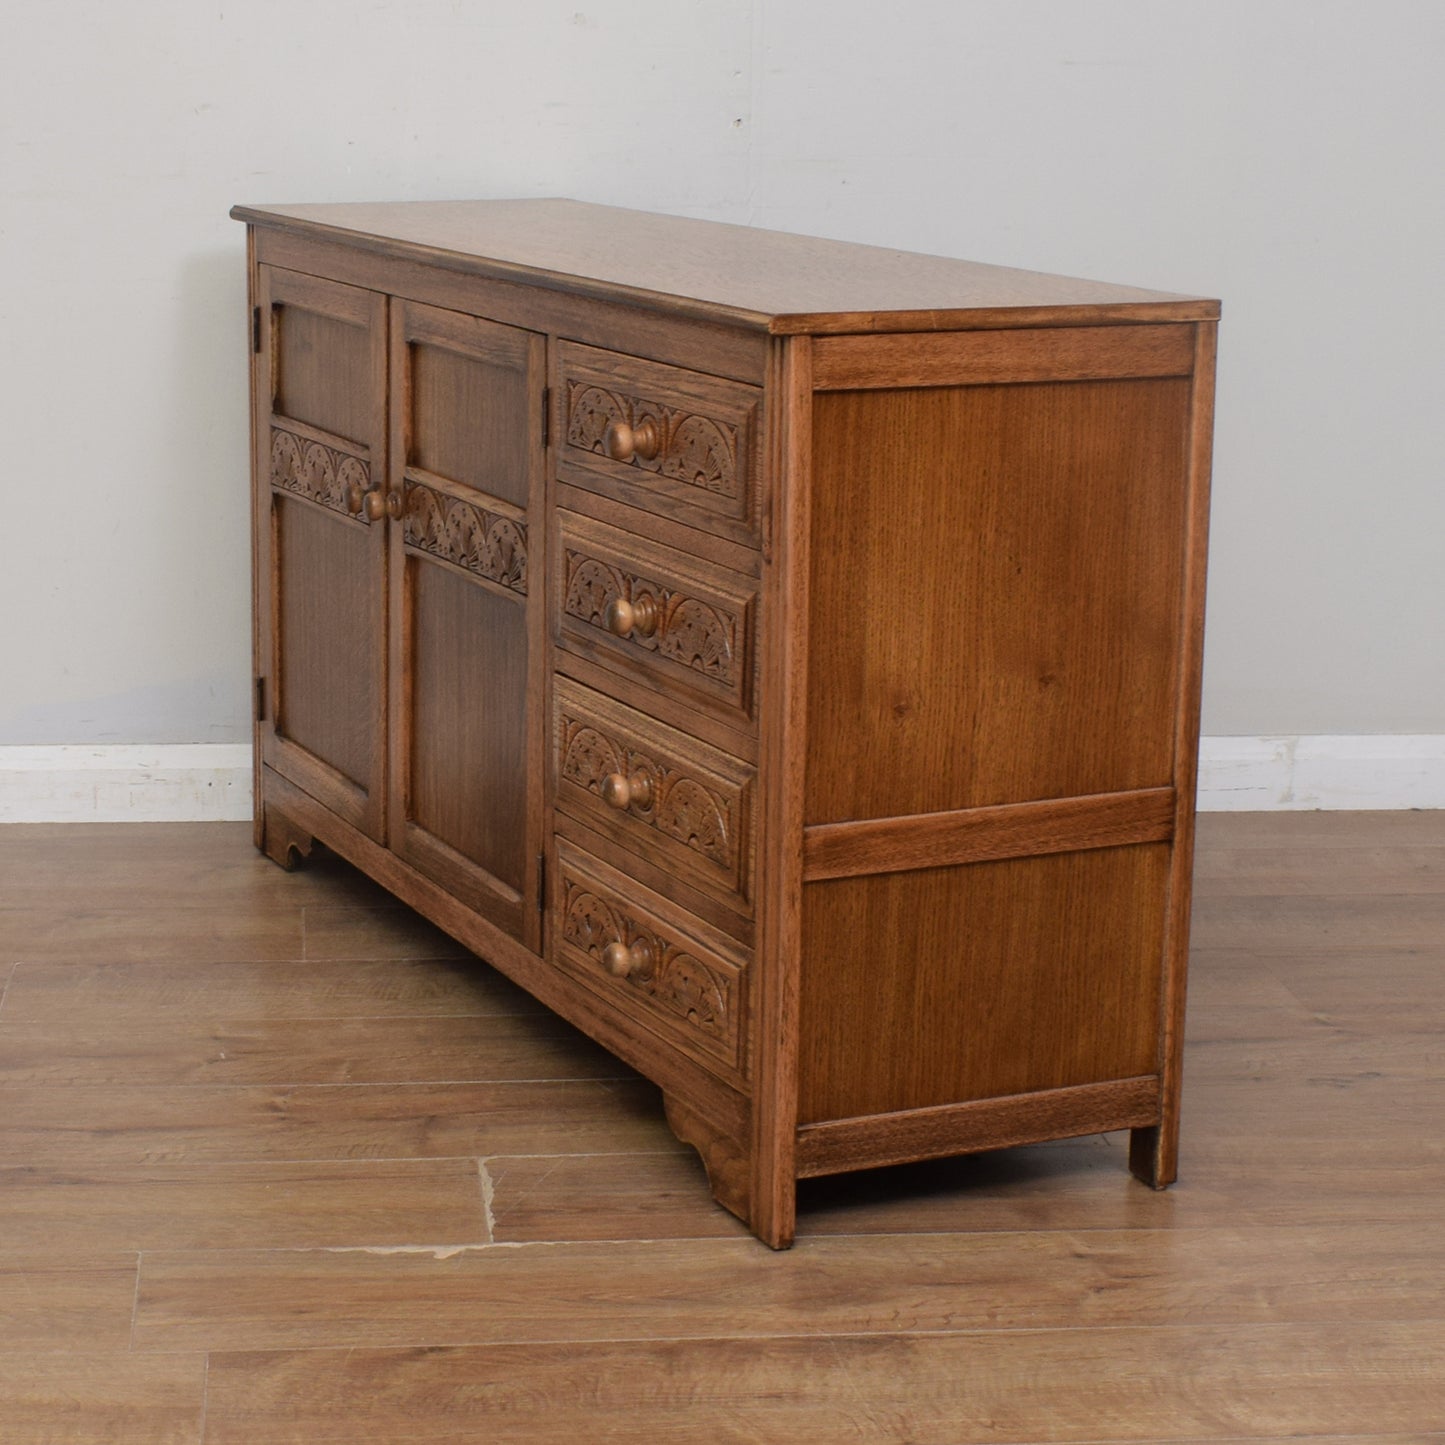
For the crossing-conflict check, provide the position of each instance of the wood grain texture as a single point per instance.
(696, 816)
(101, 1399)
(783, 743)
(684, 979)
(702, 645)
(84, 995)
(880, 1139)
(137, 933)
(246, 1205)
(283, 1051)
(320, 598)
(973, 835)
(735, 273)
(57, 1298)
(78, 866)
(468, 586)
(1154, 1152)
(705, 463)
(1059, 353)
(84, 1126)
(1286, 1288)
(699, 343)
(1142, 1385)
(967, 964)
(995, 594)
(605, 1196)
(658, 1289)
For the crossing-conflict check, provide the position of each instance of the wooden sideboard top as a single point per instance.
(771, 280)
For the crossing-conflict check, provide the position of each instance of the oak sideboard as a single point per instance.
(779, 656)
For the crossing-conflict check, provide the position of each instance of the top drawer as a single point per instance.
(677, 443)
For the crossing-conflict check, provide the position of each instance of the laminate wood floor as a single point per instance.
(279, 1162)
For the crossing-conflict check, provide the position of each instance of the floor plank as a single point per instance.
(186, 866)
(1317, 872)
(1100, 1279)
(1352, 921)
(54, 1297)
(67, 934)
(242, 1206)
(1181, 1384)
(405, 1050)
(374, 933)
(350, 988)
(98, 1399)
(80, 1126)
(1071, 1185)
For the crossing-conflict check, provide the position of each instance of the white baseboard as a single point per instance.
(211, 782)
(171, 783)
(1327, 771)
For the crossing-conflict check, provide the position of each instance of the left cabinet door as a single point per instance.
(321, 508)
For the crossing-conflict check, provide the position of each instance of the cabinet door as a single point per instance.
(321, 561)
(467, 598)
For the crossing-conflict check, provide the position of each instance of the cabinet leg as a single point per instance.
(1154, 1154)
(282, 841)
(726, 1163)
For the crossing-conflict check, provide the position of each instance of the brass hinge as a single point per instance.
(541, 882)
(256, 330)
(260, 699)
(546, 417)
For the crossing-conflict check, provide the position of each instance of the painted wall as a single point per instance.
(1282, 154)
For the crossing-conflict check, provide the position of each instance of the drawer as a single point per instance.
(671, 621)
(678, 443)
(658, 964)
(680, 803)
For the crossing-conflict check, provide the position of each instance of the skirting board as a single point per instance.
(169, 783)
(211, 782)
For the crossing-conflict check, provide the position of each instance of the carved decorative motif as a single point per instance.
(678, 980)
(679, 806)
(694, 449)
(690, 632)
(321, 473)
(492, 546)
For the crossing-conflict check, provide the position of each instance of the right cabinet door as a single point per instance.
(467, 456)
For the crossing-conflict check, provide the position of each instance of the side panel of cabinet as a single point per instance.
(320, 417)
(996, 593)
(467, 647)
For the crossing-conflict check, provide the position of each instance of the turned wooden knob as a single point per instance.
(355, 498)
(622, 442)
(620, 960)
(639, 616)
(623, 790)
(380, 503)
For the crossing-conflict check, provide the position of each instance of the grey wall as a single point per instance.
(1282, 154)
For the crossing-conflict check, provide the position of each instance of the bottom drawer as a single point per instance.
(663, 967)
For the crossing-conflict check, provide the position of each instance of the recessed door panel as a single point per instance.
(468, 748)
(467, 642)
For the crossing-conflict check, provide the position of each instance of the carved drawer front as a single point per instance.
(658, 615)
(683, 805)
(678, 443)
(669, 970)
